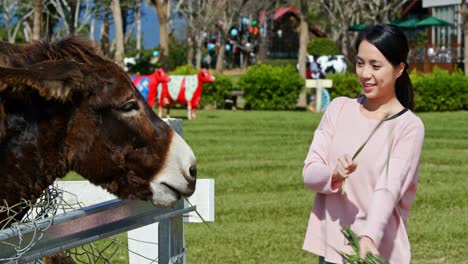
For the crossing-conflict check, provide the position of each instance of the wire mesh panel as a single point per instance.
(44, 236)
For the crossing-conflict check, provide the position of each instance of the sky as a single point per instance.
(150, 27)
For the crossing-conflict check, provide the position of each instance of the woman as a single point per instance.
(381, 181)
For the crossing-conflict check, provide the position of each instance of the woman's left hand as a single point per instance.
(367, 245)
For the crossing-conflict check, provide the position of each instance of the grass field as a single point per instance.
(262, 207)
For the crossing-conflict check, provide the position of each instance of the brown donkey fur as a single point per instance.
(63, 108)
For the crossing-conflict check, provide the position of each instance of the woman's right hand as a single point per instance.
(344, 166)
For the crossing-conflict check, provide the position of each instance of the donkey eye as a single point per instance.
(129, 106)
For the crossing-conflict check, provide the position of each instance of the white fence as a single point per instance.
(319, 85)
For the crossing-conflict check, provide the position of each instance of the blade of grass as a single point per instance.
(199, 215)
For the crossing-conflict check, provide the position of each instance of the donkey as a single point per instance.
(64, 108)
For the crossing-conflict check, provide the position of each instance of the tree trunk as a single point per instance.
(264, 40)
(303, 40)
(105, 47)
(139, 31)
(465, 57)
(73, 19)
(190, 53)
(161, 8)
(37, 20)
(302, 54)
(465, 33)
(92, 28)
(198, 47)
(221, 53)
(119, 33)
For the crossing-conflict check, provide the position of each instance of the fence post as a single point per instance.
(319, 85)
(171, 239)
(171, 243)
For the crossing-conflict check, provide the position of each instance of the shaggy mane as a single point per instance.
(69, 48)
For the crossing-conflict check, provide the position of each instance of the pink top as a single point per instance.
(375, 204)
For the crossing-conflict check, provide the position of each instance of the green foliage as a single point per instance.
(346, 84)
(273, 88)
(215, 93)
(353, 240)
(436, 91)
(440, 91)
(178, 51)
(145, 65)
(322, 46)
(280, 62)
(184, 70)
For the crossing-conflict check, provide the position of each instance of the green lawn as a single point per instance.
(262, 208)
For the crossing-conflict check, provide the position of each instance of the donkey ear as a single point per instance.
(52, 79)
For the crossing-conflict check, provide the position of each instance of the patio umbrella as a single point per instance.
(358, 27)
(432, 21)
(406, 24)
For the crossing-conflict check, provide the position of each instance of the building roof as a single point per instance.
(284, 10)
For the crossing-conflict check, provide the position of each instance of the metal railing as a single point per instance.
(92, 223)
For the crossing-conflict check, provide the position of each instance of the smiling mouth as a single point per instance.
(178, 194)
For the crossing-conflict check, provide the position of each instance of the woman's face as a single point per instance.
(376, 74)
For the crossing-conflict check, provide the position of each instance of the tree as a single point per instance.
(162, 11)
(343, 13)
(139, 29)
(119, 33)
(303, 38)
(37, 20)
(199, 19)
(380, 11)
(14, 14)
(302, 54)
(259, 11)
(74, 14)
(227, 12)
(464, 12)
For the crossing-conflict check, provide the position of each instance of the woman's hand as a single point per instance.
(367, 245)
(344, 166)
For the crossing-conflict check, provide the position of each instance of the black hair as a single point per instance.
(393, 44)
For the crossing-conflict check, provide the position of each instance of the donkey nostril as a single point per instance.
(193, 171)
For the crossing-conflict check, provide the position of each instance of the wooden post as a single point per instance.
(318, 84)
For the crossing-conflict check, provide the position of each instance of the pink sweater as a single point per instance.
(376, 204)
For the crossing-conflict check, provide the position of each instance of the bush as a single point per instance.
(184, 70)
(215, 93)
(143, 64)
(178, 51)
(436, 91)
(346, 84)
(271, 88)
(322, 46)
(440, 91)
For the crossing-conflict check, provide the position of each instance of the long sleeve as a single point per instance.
(396, 188)
(317, 171)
